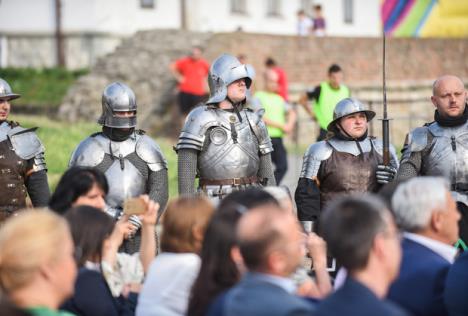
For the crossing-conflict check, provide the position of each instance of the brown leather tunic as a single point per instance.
(345, 173)
(12, 176)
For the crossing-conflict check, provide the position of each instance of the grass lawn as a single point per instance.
(40, 87)
(60, 138)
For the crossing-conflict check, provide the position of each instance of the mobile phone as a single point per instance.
(134, 206)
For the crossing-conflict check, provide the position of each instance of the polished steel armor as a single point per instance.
(125, 180)
(118, 97)
(5, 91)
(228, 153)
(346, 107)
(225, 70)
(447, 155)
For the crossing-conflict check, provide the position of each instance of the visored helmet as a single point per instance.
(225, 70)
(346, 107)
(118, 97)
(5, 91)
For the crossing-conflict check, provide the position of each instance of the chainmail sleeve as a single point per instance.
(187, 170)
(409, 166)
(265, 170)
(158, 188)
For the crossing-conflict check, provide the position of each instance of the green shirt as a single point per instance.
(327, 101)
(45, 311)
(275, 110)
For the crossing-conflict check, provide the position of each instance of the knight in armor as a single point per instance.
(440, 148)
(350, 161)
(224, 143)
(23, 169)
(131, 161)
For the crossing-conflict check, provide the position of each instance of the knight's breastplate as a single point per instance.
(12, 172)
(125, 180)
(230, 150)
(347, 172)
(448, 155)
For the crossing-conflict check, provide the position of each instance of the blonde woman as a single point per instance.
(37, 267)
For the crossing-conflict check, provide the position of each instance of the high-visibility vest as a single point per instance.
(275, 110)
(325, 105)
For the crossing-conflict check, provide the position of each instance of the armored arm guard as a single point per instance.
(411, 159)
(265, 171)
(158, 188)
(307, 195)
(260, 131)
(88, 153)
(187, 170)
(150, 152)
(196, 125)
(28, 146)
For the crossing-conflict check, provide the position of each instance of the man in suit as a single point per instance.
(456, 287)
(360, 232)
(272, 246)
(426, 212)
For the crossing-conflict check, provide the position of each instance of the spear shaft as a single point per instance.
(385, 120)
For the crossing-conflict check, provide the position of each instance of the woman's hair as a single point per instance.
(75, 182)
(181, 217)
(28, 241)
(218, 271)
(89, 228)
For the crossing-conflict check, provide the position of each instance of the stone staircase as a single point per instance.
(142, 62)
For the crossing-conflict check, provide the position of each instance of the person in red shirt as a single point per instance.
(270, 63)
(191, 73)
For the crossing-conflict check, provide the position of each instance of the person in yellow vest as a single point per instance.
(326, 96)
(279, 118)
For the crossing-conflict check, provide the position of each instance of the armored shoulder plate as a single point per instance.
(259, 129)
(25, 142)
(417, 139)
(151, 153)
(315, 154)
(198, 121)
(88, 153)
(378, 146)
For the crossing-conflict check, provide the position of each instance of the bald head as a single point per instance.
(447, 80)
(260, 230)
(449, 96)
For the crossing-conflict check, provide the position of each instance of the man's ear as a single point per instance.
(197, 233)
(276, 262)
(434, 101)
(378, 247)
(436, 221)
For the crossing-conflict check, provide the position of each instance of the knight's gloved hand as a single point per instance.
(385, 174)
(135, 221)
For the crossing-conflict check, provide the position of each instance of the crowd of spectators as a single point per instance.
(247, 256)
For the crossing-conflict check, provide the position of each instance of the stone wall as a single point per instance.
(39, 50)
(142, 62)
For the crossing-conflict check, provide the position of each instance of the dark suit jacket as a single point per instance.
(355, 299)
(93, 297)
(420, 286)
(257, 297)
(456, 287)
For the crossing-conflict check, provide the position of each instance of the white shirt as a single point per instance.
(166, 289)
(447, 252)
